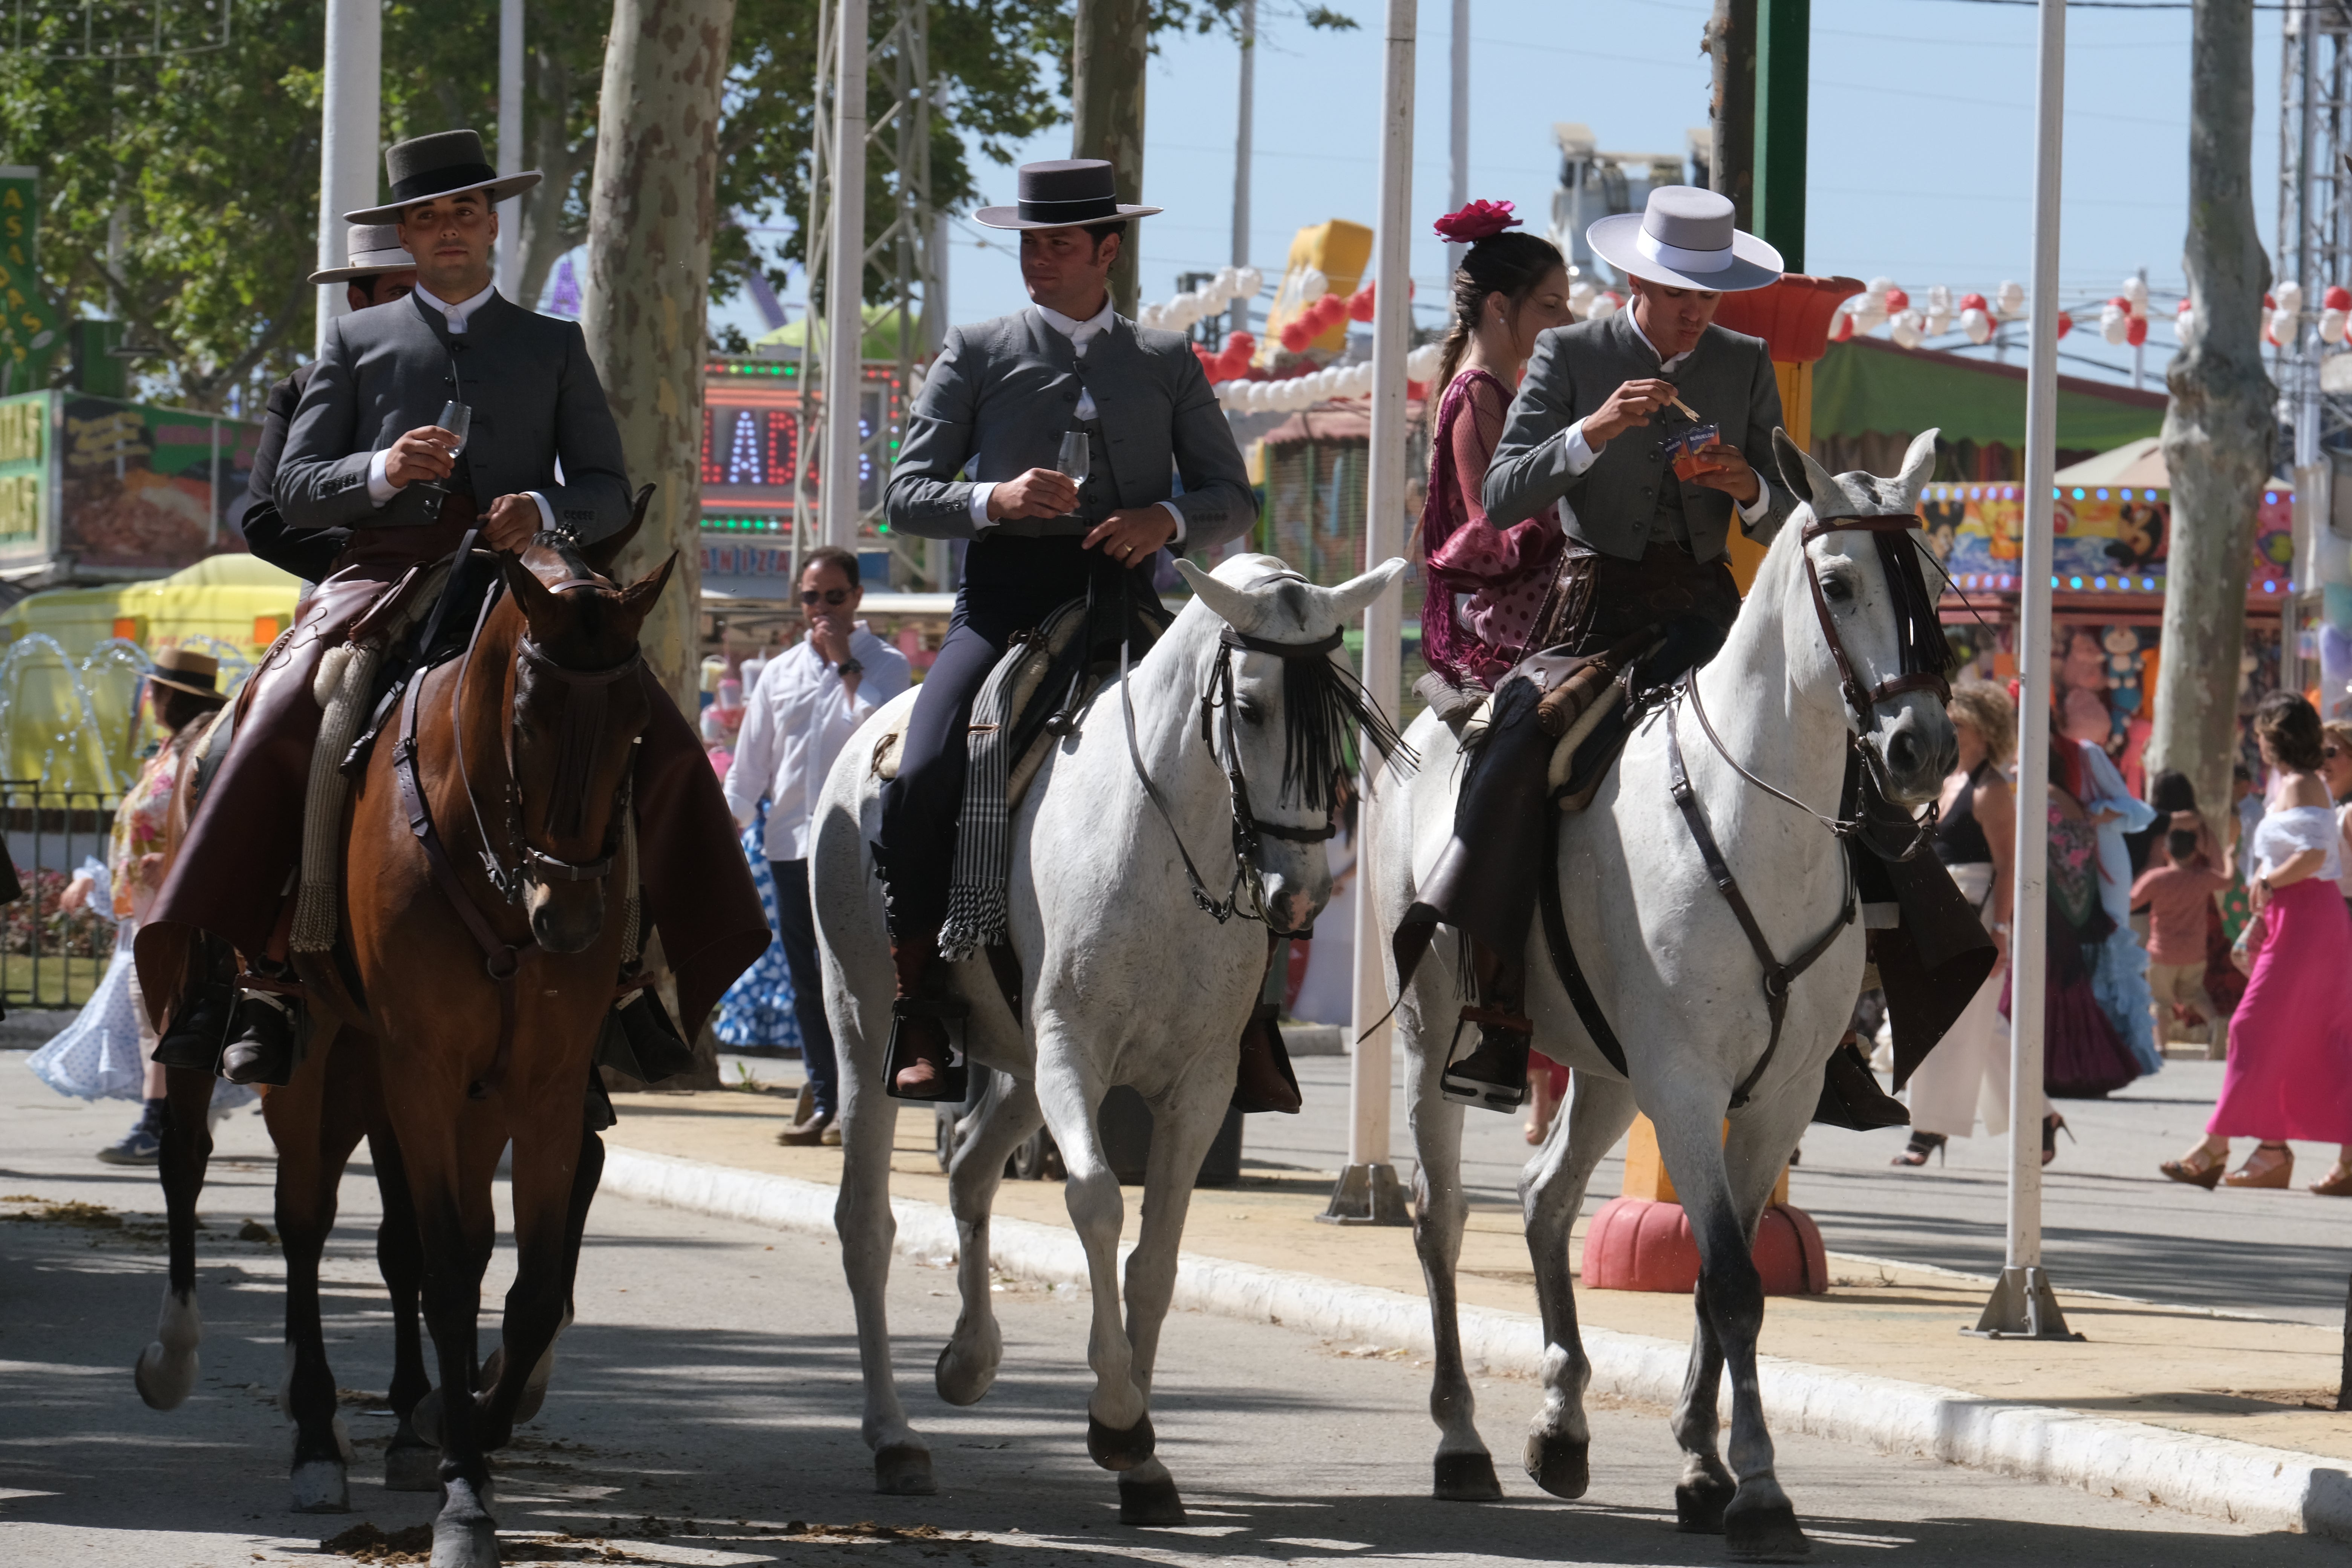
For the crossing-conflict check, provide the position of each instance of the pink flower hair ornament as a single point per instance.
(1480, 220)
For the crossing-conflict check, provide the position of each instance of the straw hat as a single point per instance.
(185, 669)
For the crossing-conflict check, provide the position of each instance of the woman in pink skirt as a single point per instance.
(2290, 1069)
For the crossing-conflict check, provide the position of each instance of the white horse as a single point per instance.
(1680, 984)
(1125, 980)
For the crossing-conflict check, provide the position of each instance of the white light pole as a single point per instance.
(844, 277)
(1367, 1193)
(510, 153)
(1458, 186)
(2024, 1306)
(350, 122)
(1241, 138)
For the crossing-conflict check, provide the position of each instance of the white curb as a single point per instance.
(2264, 1488)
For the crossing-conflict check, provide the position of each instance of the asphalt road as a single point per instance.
(705, 1412)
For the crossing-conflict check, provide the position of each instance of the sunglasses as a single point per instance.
(835, 598)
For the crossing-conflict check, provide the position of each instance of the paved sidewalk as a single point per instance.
(2246, 1376)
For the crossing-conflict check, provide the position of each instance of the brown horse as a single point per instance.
(485, 922)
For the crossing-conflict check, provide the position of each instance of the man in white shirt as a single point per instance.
(807, 701)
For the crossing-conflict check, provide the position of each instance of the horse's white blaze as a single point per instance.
(1125, 981)
(1677, 978)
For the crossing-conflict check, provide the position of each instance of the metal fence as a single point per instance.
(52, 956)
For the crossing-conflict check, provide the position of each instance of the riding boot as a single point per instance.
(1495, 1074)
(264, 1050)
(199, 1026)
(919, 1063)
(639, 1037)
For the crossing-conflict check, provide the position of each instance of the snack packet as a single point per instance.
(1683, 448)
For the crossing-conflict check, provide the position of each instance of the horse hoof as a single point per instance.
(1467, 1477)
(1559, 1464)
(464, 1533)
(426, 1421)
(903, 1469)
(1116, 1450)
(319, 1486)
(1764, 1532)
(411, 1469)
(165, 1377)
(1150, 1503)
(1699, 1506)
(964, 1378)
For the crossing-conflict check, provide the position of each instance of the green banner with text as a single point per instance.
(29, 336)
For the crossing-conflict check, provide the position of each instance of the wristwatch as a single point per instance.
(847, 668)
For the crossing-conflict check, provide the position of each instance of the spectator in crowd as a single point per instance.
(110, 1045)
(809, 699)
(2290, 1067)
(1975, 835)
(2084, 1054)
(2119, 971)
(2335, 770)
(2179, 898)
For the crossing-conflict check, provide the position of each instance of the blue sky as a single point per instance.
(1921, 140)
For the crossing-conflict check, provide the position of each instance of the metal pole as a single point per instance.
(2139, 350)
(1458, 186)
(1784, 33)
(1368, 1191)
(2022, 1304)
(349, 121)
(1243, 133)
(844, 278)
(511, 147)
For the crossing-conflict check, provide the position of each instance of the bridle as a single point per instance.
(1217, 696)
(581, 733)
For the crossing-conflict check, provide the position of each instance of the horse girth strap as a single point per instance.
(1563, 953)
(1777, 977)
(501, 960)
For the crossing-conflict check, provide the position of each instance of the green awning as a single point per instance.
(881, 334)
(1864, 386)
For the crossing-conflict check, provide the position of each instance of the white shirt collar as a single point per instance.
(1079, 332)
(1633, 320)
(459, 315)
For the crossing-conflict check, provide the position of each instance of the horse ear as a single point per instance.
(602, 555)
(533, 597)
(1350, 598)
(1919, 466)
(1806, 478)
(639, 597)
(1234, 608)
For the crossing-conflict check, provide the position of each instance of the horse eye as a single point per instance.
(1249, 712)
(1837, 588)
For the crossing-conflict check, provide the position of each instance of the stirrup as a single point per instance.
(954, 1080)
(1495, 1074)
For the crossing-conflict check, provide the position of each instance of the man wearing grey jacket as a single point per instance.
(365, 452)
(1611, 424)
(979, 463)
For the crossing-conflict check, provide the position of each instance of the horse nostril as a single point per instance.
(1902, 752)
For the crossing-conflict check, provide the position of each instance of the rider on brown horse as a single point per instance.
(368, 452)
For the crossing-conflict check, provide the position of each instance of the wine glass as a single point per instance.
(1074, 455)
(457, 419)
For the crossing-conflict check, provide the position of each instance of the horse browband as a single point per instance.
(1881, 524)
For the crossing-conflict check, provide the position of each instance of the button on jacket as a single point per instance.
(1002, 392)
(795, 721)
(1616, 499)
(387, 370)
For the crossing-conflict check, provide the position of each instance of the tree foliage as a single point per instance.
(181, 192)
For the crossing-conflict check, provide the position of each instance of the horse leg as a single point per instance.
(588, 1173)
(315, 1121)
(1761, 1523)
(968, 1362)
(1552, 1195)
(1184, 1122)
(450, 1162)
(1118, 1427)
(410, 1463)
(548, 1165)
(862, 1219)
(1441, 1211)
(165, 1372)
(1756, 1517)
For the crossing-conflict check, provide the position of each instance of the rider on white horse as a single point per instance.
(1002, 402)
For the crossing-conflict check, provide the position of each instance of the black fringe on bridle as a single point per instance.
(1919, 626)
(1327, 716)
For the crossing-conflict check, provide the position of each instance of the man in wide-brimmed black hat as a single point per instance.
(365, 454)
(980, 464)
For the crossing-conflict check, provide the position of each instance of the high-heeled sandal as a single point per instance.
(2052, 1125)
(1922, 1144)
(2203, 1168)
(2336, 1184)
(2274, 1173)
